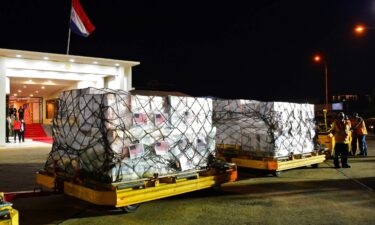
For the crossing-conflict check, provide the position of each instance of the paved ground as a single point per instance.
(301, 196)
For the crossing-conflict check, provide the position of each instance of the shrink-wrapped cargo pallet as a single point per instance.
(111, 136)
(264, 129)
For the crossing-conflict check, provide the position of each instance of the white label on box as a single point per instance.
(140, 118)
(159, 119)
(136, 151)
(185, 164)
(162, 147)
(188, 117)
(201, 145)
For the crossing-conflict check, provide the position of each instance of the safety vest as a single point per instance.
(361, 129)
(341, 130)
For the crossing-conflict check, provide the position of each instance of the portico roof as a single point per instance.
(11, 53)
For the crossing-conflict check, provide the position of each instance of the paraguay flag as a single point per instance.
(79, 22)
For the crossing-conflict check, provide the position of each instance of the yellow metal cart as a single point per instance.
(273, 165)
(128, 194)
(8, 215)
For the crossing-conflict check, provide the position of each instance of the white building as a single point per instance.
(35, 79)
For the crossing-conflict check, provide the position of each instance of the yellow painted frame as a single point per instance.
(148, 190)
(14, 215)
(271, 164)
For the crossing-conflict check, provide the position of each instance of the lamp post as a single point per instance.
(318, 59)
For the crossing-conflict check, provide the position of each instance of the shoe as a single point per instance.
(346, 166)
(337, 167)
(360, 154)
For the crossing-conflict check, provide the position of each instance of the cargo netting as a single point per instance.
(264, 129)
(112, 136)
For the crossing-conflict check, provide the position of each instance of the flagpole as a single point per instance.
(70, 31)
(68, 45)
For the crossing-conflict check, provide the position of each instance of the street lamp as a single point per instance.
(360, 29)
(318, 59)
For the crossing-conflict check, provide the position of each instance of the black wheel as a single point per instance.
(315, 165)
(130, 208)
(276, 173)
(216, 187)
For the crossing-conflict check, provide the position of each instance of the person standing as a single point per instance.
(14, 111)
(7, 128)
(354, 143)
(20, 113)
(16, 129)
(360, 129)
(22, 131)
(341, 129)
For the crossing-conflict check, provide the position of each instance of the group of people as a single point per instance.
(341, 129)
(15, 126)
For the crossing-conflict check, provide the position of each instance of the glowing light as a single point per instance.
(42, 87)
(71, 60)
(317, 58)
(19, 56)
(45, 58)
(95, 62)
(359, 29)
(117, 64)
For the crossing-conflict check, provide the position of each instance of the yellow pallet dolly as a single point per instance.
(8, 215)
(273, 165)
(127, 195)
(328, 142)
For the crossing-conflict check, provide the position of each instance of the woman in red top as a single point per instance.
(16, 129)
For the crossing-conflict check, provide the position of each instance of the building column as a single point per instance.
(120, 77)
(3, 107)
(128, 77)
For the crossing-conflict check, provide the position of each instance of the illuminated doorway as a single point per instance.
(33, 108)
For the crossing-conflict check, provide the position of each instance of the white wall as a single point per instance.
(2, 101)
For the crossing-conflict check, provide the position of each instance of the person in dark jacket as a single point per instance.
(21, 112)
(7, 128)
(21, 135)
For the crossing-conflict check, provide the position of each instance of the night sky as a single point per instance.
(260, 49)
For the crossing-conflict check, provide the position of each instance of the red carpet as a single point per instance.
(47, 140)
(36, 132)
